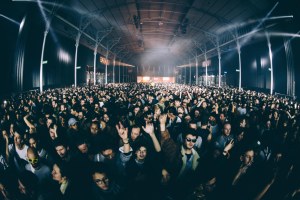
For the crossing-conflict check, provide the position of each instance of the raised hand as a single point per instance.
(123, 132)
(229, 146)
(149, 128)
(163, 119)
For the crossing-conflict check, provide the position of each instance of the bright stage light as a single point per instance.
(64, 56)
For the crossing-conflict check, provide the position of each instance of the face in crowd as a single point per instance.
(18, 140)
(62, 151)
(135, 133)
(248, 157)
(56, 174)
(227, 129)
(141, 153)
(94, 128)
(108, 154)
(190, 141)
(101, 180)
(33, 157)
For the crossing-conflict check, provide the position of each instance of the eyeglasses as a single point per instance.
(191, 140)
(102, 181)
(33, 161)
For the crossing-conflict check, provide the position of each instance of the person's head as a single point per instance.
(80, 115)
(18, 138)
(177, 102)
(222, 117)
(82, 145)
(172, 112)
(135, 133)
(197, 113)
(105, 117)
(189, 138)
(94, 128)
(72, 122)
(108, 152)
(247, 157)
(243, 122)
(180, 110)
(59, 173)
(141, 153)
(63, 107)
(61, 148)
(136, 109)
(50, 120)
(33, 157)
(100, 176)
(204, 105)
(227, 129)
(53, 131)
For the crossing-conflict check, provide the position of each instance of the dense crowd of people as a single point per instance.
(149, 141)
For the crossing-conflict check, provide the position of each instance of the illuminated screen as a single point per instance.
(153, 79)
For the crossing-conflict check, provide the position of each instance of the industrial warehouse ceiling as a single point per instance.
(161, 33)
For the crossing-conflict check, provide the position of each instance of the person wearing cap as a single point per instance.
(73, 132)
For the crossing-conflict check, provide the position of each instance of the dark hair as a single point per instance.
(59, 142)
(64, 169)
(189, 131)
(172, 110)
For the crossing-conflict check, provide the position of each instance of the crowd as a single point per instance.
(149, 141)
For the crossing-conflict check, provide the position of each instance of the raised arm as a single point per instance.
(123, 133)
(27, 122)
(150, 130)
(6, 145)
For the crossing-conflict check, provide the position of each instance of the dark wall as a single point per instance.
(9, 33)
(57, 72)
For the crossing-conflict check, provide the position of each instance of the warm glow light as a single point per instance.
(208, 62)
(104, 60)
(156, 79)
(64, 56)
(146, 78)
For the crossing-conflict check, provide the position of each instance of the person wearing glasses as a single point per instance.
(37, 167)
(190, 157)
(105, 188)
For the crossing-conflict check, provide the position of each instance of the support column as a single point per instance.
(123, 73)
(106, 62)
(219, 58)
(95, 56)
(120, 71)
(271, 63)
(75, 63)
(196, 70)
(240, 63)
(42, 59)
(114, 69)
(205, 57)
(185, 77)
(190, 71)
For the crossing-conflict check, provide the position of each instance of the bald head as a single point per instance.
(32, 156)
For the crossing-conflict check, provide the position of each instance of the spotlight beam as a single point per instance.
(10, 19)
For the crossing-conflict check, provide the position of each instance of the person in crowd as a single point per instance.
(225, 138)
(104, 187)
(194, 151)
